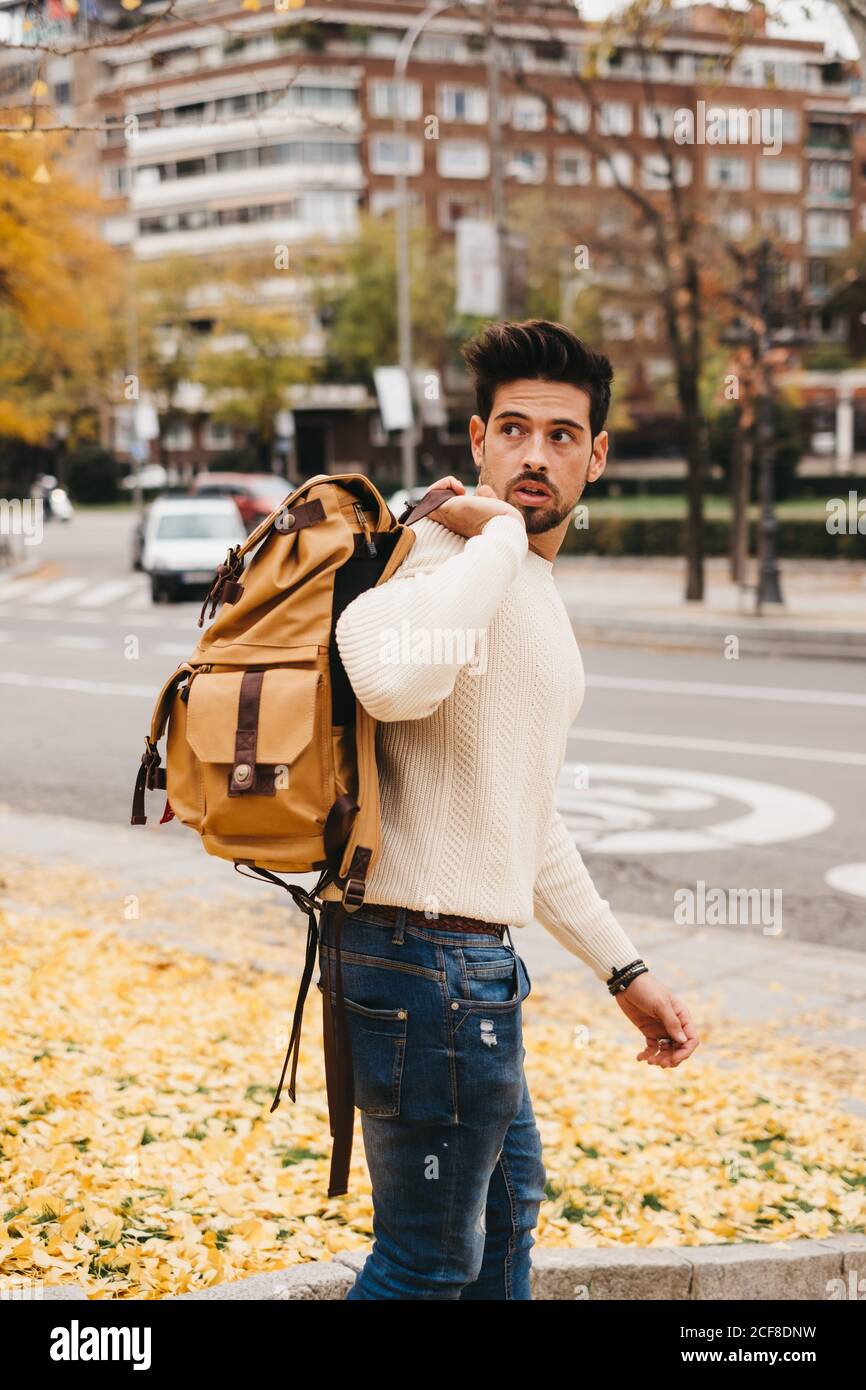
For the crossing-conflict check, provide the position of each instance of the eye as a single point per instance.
(569, 437)
(511, 425)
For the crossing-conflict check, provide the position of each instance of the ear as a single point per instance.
(476, 437)
(599, 457)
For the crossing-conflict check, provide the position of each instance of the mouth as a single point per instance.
(531, 494)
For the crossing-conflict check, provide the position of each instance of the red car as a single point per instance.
(256, 495)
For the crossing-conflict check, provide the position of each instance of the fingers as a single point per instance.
(452, 482)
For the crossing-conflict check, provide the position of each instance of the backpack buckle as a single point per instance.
(353, 894)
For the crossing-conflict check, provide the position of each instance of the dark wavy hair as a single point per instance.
(537, 348)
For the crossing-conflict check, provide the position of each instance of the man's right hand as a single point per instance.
(465, 516)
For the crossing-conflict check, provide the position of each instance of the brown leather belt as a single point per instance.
(443, 922)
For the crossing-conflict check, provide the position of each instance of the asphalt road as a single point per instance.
(683, 770)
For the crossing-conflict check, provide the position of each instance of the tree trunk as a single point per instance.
(696, 457)
(742, 449)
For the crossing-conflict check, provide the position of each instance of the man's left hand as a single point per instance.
(657, 1013)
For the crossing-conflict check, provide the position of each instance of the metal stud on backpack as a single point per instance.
(269, 756)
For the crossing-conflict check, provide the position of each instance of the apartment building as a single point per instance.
(236, 126)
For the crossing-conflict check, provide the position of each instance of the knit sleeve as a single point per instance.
(404, 642)
(568, 904)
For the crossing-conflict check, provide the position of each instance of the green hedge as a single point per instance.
(666, 536)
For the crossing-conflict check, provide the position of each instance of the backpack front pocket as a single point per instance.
(263, 741)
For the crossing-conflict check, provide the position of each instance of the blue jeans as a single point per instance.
(450, 1137)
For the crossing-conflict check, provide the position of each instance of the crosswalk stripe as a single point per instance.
(60, 589)
(105, 593)
(14, 587)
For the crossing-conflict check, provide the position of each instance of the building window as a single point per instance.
(614, 170)
(726, 171)
(653, 117)
(462, 104)
(387, 157)
(527, 166)
(778, 175)
(736, 223)
(655, 172)
(115, 180)
(574, 115)
(191, 168)
(827, 180)
(827, 230)
(528, 113)
(229, 160)
(573, 167)
(783, 223)
(383, 99)
(462, 159)
(614, 118)
(216, 435)
(177, 436)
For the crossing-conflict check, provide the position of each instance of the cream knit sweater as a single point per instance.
(471, 739)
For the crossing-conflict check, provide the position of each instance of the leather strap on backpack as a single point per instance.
(429, 502)
(243, 775)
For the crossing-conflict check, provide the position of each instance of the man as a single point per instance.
(467, 658)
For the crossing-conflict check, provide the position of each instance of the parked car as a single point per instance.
(151, 478)
(185, 540)
(138, 538)
(256, 495)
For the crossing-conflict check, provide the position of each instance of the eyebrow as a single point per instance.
(574, 424)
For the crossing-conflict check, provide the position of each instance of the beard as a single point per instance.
(536, 519)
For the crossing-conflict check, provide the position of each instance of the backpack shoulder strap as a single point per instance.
(428, 503)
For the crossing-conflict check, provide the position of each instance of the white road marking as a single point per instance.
(81, 687)
(72, 639)
(60, 589)
(15, 587)
(614, 808)
(720, 745)
(848, 878)
(727, 690)
(106, 593)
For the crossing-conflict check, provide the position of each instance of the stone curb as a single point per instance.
(796, 1269)
(835, 644)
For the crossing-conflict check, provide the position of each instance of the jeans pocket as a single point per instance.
(378, 1052)
(378, 1042)
(489, 975)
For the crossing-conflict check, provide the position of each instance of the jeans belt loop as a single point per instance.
(399, 926)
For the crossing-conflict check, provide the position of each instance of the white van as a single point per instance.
(185, 540)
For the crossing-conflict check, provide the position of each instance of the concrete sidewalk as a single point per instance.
(638, 600)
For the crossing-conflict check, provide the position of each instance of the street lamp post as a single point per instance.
(769, 586)
(404, 310)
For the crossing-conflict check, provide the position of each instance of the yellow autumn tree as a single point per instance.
(59, 284)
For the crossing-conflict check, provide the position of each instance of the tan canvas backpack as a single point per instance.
(269, 756)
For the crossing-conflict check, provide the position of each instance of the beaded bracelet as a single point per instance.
(622, 978)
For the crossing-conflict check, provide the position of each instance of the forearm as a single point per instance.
(438, 614)
(569, 906)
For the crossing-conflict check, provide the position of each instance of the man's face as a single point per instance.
(537, 451)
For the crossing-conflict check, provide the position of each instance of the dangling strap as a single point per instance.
(306, 902)
(338, 1062)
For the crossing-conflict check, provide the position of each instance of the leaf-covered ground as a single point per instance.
(138, 1154)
